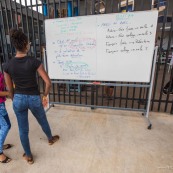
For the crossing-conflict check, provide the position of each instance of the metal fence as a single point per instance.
(29, 15)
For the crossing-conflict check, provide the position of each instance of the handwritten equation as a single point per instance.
(79, 69)
(73, 48)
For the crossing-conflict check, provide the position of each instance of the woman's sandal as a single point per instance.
(7, 146)
(53, 140)
(28, 159)
(6, 160)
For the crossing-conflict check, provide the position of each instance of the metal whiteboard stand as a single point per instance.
(151, 87)
(92, 106)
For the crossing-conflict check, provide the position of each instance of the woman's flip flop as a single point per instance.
(7, 146)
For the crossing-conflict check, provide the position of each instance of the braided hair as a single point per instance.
(19, 39)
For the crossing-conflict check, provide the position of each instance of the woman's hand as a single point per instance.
(45, 101)
(9, 85)
(6, 94)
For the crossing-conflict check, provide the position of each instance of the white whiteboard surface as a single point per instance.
(109, 47)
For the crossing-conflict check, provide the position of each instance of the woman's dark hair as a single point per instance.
(19, 39)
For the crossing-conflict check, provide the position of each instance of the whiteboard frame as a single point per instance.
(108, 79)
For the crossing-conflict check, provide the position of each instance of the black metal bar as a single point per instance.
(78, 5)
(4, 34)
(105, 7)
(21, 14)
(11, 14)
(60, 8)
(1, 40)
(85, 7)
(39, 41)
(127, 4)
(96, 94)
(158, 64)
(74, 87)
(86, 95)
(141, 5)
(48, 9)
(114, 96)
(127, 96)
(93, 7)
(27, 23)
(112, 8)
(8, 29)
(163, 78)
(59, 98)
(16, 13)
(53, 90)
(92, 96)
(155, 85)
(33, 31)
(42, 2)
(108, 99)
(38, 30)
(102, 94)
(167, 54)
(54, 8)
(66, 4)
(69, 94)
(121, 90)
(98, 7)
(72, 7)
(151, 4)
(64, 93)
(140, 94)
(119, 6)
(80, 96)
(2, 46)
(133, 97)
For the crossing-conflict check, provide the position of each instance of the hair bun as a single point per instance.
(15, 33)
(18, 39)
(12, 32)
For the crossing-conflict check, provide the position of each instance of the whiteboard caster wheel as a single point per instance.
(149, 127)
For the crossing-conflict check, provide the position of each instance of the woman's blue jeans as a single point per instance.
(5, 125)
(21, 104)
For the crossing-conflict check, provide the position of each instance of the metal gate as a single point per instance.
(29, 15)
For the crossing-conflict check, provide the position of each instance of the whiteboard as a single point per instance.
(109, 47)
